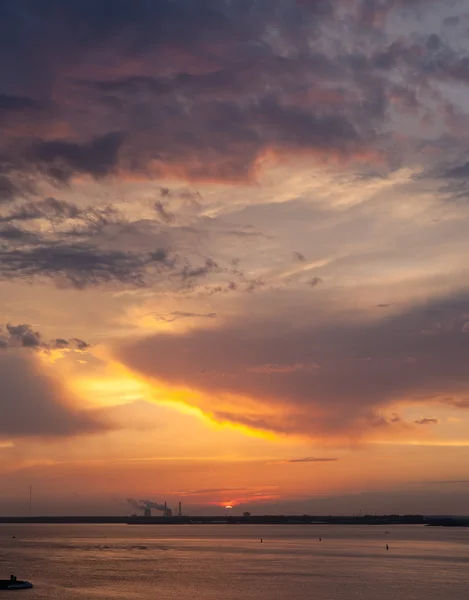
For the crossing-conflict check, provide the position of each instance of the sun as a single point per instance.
(228, 506)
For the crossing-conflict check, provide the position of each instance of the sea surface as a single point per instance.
(224, 562)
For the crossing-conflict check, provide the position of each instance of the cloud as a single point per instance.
(426, 421)
(61, 159)
(283, 368)
(34, 404)
(23, 336)
(458, 172)
(299, 257)
(15, 234)
(75, 246)
(8, 190)
(315, 281)
(309, 459)
(448, 482)
(163, 214)
(80, 264)
(238, 83)
(206, 491)
(78, 344)
(48, 208)
(16, 104)
(250, 422)
(189, 272)
(455, 402)
(177, 315)
(253, 373)
(95, 245)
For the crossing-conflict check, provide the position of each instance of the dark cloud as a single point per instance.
(14, 184)
(80, 264)
(426, 421)
(447, 482)
(16, 104)
(459, 172)
(215, 491)
(315, 281)
(23, 336)
(456, 402)
(360, 371)
(309, 459)
(203, 89)
(190, 272)
(72, 344)
(298, 256)
(82, 247)
(164, 215)
(79, 344)
(62, 159)
(16, 234)
(60, 343)
(33, 404)
(8, 190)
(49, 208)
(74, 251)
(177, 315)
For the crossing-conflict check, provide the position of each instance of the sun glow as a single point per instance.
(119, 385)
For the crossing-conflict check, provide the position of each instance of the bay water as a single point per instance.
(228, 562)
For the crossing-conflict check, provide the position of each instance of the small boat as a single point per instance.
(14, 584)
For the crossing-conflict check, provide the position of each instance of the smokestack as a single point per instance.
(180, 510)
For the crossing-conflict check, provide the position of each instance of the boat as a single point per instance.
(14, 584)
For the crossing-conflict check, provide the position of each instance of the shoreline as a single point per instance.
(248, 520)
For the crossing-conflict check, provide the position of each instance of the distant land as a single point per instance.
(246, 519)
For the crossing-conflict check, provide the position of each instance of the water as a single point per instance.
(224, 562)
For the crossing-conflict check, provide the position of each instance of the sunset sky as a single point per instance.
(234, 255)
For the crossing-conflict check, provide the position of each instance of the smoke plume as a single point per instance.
(143, 504)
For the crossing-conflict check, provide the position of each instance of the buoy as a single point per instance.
(387, 547)
(262, 541)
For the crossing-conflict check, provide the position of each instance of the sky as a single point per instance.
(234, 256)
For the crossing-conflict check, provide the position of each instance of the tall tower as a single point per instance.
(180, 510)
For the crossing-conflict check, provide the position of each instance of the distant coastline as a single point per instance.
(434, 521)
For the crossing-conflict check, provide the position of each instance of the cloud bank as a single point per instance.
(330, 379)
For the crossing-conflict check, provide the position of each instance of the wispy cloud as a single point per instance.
(306, 459)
